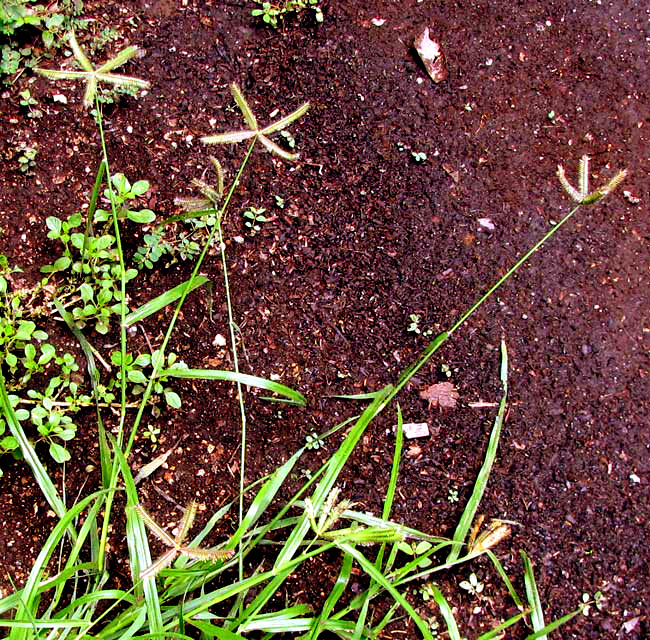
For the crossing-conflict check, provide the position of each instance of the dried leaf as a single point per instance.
(440, 395)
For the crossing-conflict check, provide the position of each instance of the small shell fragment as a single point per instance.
(414, 429)
(432, 56)
(486, 223)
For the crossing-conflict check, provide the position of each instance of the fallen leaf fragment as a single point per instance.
(454, 174)
(432, 56)
(441, 394)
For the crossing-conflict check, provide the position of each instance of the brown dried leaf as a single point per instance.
(440, 395)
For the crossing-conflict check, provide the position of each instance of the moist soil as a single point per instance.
(323, 293)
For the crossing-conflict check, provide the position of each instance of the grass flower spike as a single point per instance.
(253, 131)
(581, 195)
(176, 544)
(92, 77)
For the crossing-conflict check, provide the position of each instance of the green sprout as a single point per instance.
(472, 585)
(414, 323)
(253, 219)
(419, 156)
(314, 441)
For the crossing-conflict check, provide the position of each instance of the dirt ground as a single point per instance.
(369, 236)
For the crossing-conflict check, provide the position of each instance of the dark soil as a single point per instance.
(324, 292)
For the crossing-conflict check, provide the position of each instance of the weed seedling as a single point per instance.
(28, 101)
(313, 441)
(271, 13)
(27, 157)
(413, 324)
(419, 156)
(254, 218)
(472, 586)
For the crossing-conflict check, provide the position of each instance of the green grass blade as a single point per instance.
(161, 301)
(497, 631)
(370, 569)
(294, 397)
(394, 472)
(27, 610)
(104, 450)
(447, 613)
(210, 630)
(536, 613)
(334, 467)
(484, 474)
(333, 598)
(506, 580)
(138, 545)
(40, 473)
(552, 626)
(264, 498)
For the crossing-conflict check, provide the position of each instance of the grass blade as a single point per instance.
(536, 613)
(484, 474)
(496, 632)
(504, 576)
(552, 626)
(293, 397)
(370, 569)
(333, 598)
(138, 545)
(161, 301)
(27, 609)
(264, 498)
(334, 467)
(446, 612)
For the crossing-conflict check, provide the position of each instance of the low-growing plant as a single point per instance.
(27, 156)
(28, 101)
(254, 218)
(274, 12)
(51, 19)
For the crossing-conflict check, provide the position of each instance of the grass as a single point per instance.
(194, 590)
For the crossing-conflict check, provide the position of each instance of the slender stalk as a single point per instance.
(123, 339)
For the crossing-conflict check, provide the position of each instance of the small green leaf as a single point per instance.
(25, 330)
(136, 376)
(59, 453)
(61, 264)
(145, 216)
(140, 187)
(173, 399)
(86, 292)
